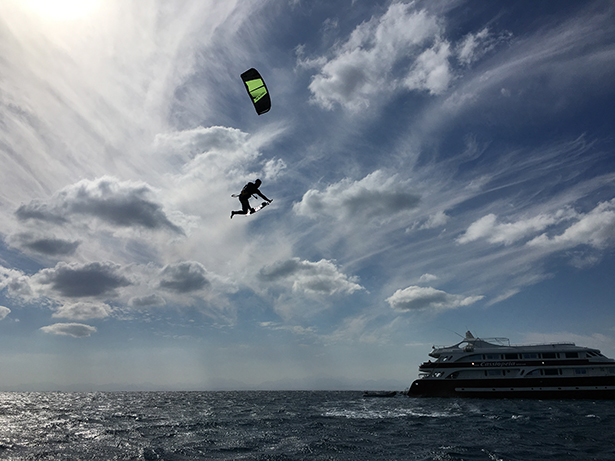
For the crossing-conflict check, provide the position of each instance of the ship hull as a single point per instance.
(599, 387)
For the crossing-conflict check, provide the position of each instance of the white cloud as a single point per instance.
(81, 280)
(421, 298)
(488, 228)
(475, 46)
(222, 145)
(435, 220)
(431, 71)
(76, 330)
(183, 277)
(83, 311)
(41, 244)
(4, 311)
(504, 296)
(363, 66)
(321, 278)
(596, 228)
(117, 203)
(426, 278)
(375, 196)
(148, 300)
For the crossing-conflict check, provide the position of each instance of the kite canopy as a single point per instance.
(257, 90)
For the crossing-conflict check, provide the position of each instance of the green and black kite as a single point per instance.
(257, 90)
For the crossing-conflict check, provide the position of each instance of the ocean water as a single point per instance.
(299, 426)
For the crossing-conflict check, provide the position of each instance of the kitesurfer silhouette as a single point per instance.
(248, 191)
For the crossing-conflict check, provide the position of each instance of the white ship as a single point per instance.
(492, 368)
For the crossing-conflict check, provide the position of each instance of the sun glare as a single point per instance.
(63, 10)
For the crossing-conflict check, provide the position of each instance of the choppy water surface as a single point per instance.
(299, 425)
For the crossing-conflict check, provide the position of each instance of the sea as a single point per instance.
(298, 425)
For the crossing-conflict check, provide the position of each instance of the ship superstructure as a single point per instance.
(492, 368)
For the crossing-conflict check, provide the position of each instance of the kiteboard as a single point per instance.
(260, 207)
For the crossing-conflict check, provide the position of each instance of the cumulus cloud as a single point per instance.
(183, 277)
(363, 66)
(45, 245)
(431, 71)
(426, 278)
(39, 211)
(83, 280)
(322, 277)
(404, 49)
(83, 311)
(435, 220)
(416, 298)
(596, 228)
(15, 282)
(490, 229)
(188, 144)
(4, 311)
(375, 196)
(117, 203)
(214, 152)
(149, 300)
(76, 330)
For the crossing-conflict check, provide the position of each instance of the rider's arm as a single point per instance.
(261, 194)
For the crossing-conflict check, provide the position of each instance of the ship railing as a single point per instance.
(545, 344)
(495, 341)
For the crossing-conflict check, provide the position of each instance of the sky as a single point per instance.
(435, 167)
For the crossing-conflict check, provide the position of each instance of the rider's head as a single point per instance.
(257, 182)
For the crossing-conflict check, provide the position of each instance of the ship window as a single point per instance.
(472, 358)
(493, 372)
(580, 371)
(552, 372)
(511, 356)
(549, 355)
(530, 356)
(491, 356)
(572, 355)
(533, 373)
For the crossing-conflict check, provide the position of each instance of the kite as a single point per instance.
(257, 90)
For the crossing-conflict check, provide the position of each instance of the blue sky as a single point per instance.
(436, 166)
